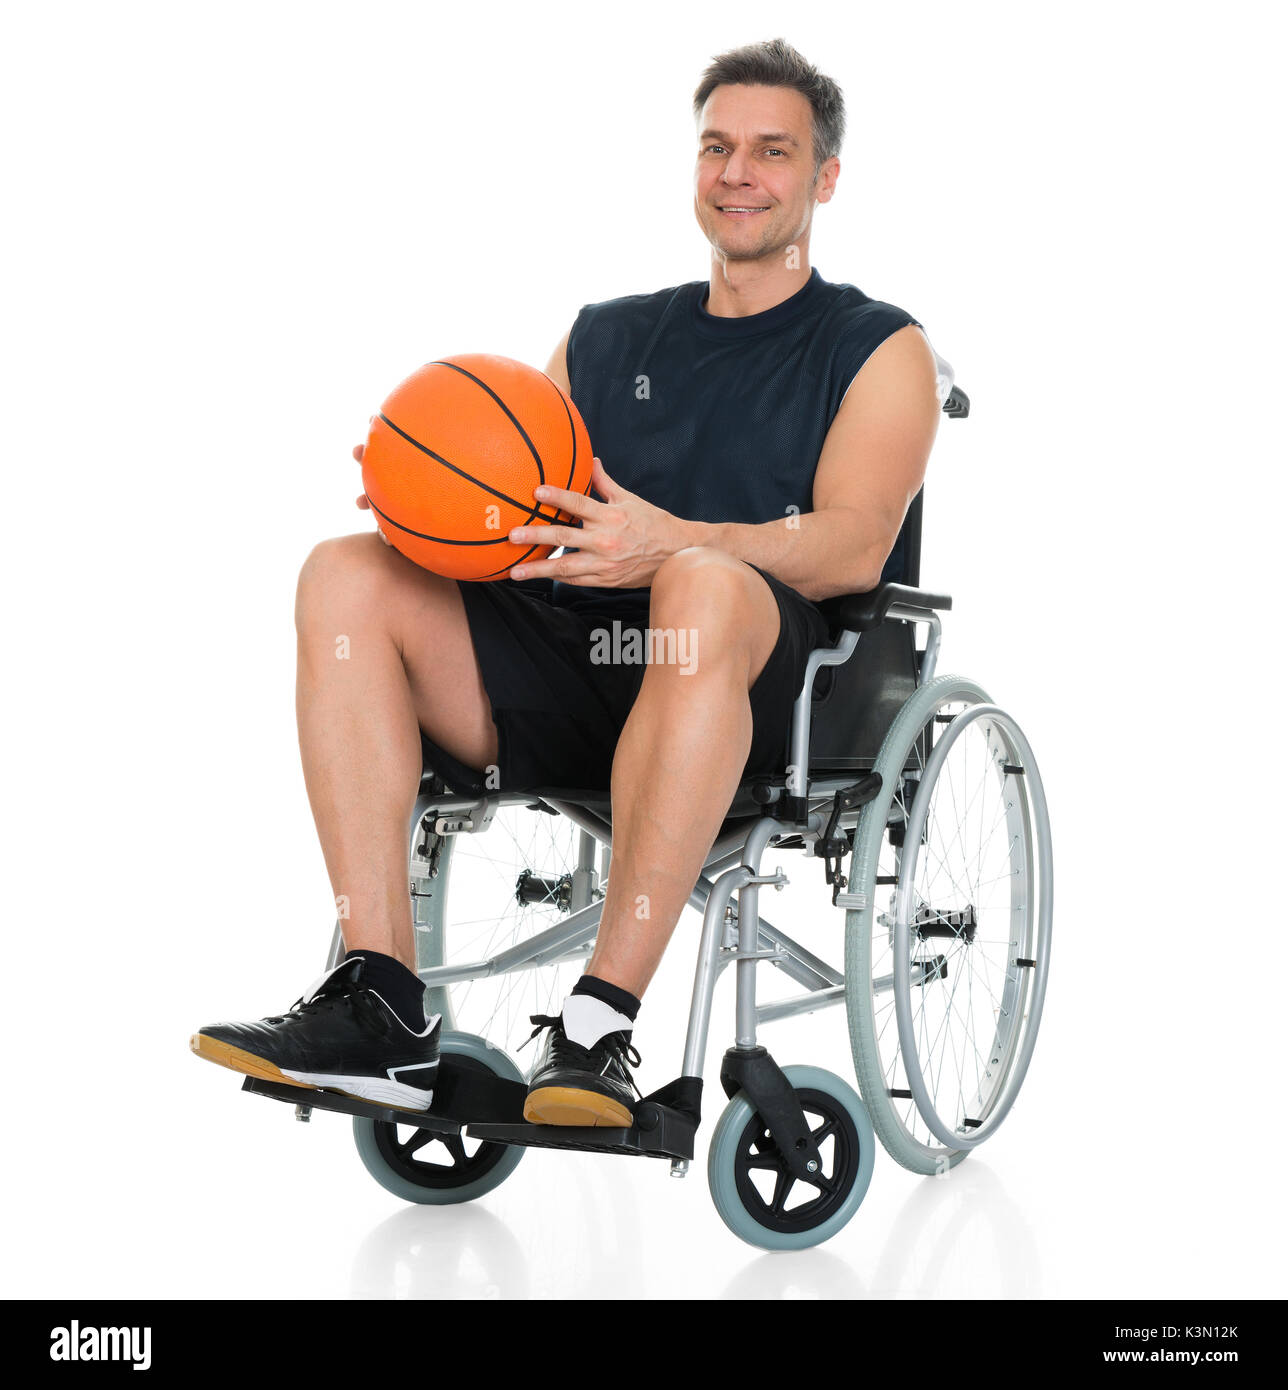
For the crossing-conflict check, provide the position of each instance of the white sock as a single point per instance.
(587, 1019)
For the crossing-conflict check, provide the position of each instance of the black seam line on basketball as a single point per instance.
(572, 467)
(441, 540)
(505, 569)
(533, 509)
(482, 385)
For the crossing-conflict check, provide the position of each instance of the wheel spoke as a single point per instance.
(417, 1142)
(477, 916)
(456, 1147)
(782, 1187)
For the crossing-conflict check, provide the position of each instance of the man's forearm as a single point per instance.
(820, 554)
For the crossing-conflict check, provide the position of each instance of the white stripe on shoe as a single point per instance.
(373, 1088)
(430, 1022)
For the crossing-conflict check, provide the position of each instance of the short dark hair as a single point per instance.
(777, 64)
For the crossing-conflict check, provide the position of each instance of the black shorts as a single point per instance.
(558, 713)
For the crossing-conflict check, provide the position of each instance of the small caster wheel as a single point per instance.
(756, 1193)
(420, 1165)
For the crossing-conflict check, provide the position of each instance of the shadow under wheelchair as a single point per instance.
(917, 803)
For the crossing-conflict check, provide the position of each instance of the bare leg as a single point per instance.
(383, 650)
(680, 756)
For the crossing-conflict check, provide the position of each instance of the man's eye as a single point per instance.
(709, 148)
(775, 151)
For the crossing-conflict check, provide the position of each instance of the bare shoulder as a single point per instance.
(876, 450)
(557, 367)
(904, 364)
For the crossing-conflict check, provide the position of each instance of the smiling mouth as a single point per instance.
(737, 210)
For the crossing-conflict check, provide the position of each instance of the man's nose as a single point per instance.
(737, 169)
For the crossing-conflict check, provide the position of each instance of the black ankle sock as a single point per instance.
(396, 985)
(616, 998)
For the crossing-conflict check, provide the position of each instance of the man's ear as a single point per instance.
(825, 181)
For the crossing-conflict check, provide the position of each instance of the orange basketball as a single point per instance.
(452, 458)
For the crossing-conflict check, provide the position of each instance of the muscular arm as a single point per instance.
(871, 466)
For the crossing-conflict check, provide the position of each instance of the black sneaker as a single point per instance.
(574, 1085)
(340, 1036)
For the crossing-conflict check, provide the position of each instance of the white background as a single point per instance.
(231, 229)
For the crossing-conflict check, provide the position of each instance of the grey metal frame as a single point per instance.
(729, 935)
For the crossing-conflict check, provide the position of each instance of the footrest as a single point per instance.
(467, 1095)
(658, 1131)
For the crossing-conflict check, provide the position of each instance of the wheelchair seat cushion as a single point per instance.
(561, 684)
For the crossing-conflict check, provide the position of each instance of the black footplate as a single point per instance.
(467, 1095)
(665, 1123)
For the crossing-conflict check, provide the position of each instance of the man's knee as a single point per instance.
(700, 579)
(721, 603)
(712, 594)
(355, 570)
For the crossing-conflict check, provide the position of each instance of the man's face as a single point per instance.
(754, 185)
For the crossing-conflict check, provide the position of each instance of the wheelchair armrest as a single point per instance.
(957, 406)
(859, 612)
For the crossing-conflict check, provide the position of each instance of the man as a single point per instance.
(764, 432)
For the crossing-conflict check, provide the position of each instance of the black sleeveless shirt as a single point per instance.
(718, 419)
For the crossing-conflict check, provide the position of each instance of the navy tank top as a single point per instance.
(718, 419)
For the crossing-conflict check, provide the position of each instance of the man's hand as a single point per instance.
(363, 500)
(620, 543)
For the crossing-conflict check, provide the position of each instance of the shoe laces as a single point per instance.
(331, 995)
(563, 1049)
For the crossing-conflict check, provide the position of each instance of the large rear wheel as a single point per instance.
(946, 963)
(483, 899)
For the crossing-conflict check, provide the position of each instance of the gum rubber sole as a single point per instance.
(224, 1054)
(238, 1059)
(565, 1105)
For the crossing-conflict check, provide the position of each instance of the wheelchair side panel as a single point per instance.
(855, 703)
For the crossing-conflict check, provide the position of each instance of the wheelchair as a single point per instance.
(918, 803)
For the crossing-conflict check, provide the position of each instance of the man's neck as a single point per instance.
(739, 288)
